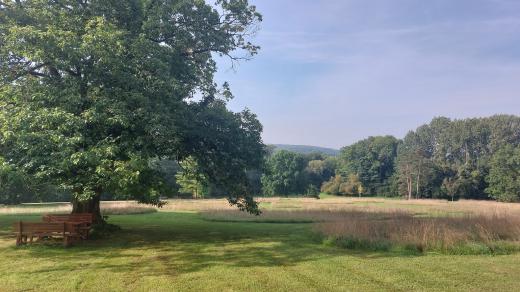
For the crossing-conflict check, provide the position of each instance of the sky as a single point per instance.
(332, 72)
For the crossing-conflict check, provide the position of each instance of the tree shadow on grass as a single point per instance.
(176, 243)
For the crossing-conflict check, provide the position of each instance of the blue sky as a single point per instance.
(332, 72)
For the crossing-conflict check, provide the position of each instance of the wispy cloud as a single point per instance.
(455, 38)
(335, 71)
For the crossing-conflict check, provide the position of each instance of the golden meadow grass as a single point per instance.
(400, 228)
(107, 208)
(426, 225)
(292, 204)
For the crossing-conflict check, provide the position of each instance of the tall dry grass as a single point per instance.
(345, 203)
(422, 225)
(197, 205)
(398, 228)
(271, 216)
(126, 208)
(107, 208)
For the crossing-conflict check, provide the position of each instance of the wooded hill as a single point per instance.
(305, 149)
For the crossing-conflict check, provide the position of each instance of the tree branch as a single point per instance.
(32, 71)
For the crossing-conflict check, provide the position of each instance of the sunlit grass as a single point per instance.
(207, 245)
(179, 251)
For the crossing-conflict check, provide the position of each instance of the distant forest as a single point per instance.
(477, 158)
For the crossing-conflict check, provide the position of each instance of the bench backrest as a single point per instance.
(80, 217)
(42, 227)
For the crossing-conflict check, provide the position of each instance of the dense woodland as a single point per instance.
(447, 159)
(470, 158)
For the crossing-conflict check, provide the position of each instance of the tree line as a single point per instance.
(477, 158)
(471, 158)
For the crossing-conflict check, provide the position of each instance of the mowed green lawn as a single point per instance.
(169, 251)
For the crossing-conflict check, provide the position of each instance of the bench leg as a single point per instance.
(18, 240)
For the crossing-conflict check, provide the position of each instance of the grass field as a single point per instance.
(185, 247)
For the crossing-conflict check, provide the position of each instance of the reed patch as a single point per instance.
(468, 234)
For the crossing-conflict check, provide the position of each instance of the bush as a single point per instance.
(338, 185)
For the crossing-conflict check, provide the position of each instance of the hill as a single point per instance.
(305, 149)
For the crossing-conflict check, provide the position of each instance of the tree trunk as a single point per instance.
(408, 182)
(409, 187)
(417, 184)
(89, 206)
(466, 153)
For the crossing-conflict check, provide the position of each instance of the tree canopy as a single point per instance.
(92, 91)
(504, 174)
(372, 160)
(284, 174)
(469, 158)
(451, 158)
(290, 173)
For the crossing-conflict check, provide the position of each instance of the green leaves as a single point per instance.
(460, 158)
(284, 174)
(372, 160)
(92, 91)
(190, 178)
(14, 187)
(504, 175)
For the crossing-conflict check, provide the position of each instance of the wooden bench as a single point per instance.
(84, 220)
(25, 230)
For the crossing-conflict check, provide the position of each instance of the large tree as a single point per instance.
(504, 175)
(285, 174)
(372, 160)
(93, 91)
(320, 170)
